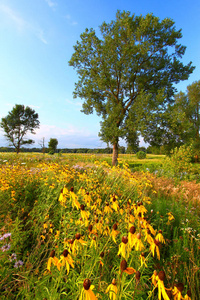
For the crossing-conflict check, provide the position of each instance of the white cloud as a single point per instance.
(73, 102)
(51, 3)
(70, 21)
(21, 24)
(70, 137)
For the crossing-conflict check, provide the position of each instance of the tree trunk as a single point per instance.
(115, 154)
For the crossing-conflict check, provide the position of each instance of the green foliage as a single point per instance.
(141, 155)
(19, 121)
(185, 115)
(179, 165)
(53, 143)
(124, 76)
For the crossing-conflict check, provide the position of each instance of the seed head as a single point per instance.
(125, 239)
(180, 286)
(169, 294)
(52, 253)
(189, 293)
(123, 265)
(90, 227)
(65, 253)
(82, 207)
(102, 254)
(78, 236)
(71, 189)
(115, 226)
(137, 275)
(114, 281)
(86, 284)
(138, 236)
(132, 229)
(161, 275)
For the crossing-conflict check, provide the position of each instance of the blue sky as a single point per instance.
(36, 43)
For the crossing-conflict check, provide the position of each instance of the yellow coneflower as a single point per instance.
(141, 209)
(124, 247)
(74, 198)
(188, 295)
(87, 293)
(177, 290)
(78, 242)
(114, 204)
(138, 243)
(112, 290)
(93, 242)
(154, 278)
(53, 260)
(62, 199)
(170, 218)
(143, 259)
(91, 230)
(155, 246)
(124, 268)
(161, 288)
(160, 237)
(148, 236)
(132, 236)
(148, 226)
(98, 226)
(102, 256)
(107, 209)
(66, 260)
(84, 214)
(87, 198)
(114, 232)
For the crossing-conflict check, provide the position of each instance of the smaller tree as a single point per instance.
(53, 143)
(19, 121)
(42, 145)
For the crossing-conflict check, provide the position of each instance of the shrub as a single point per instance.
(141, 155)
(179, 165)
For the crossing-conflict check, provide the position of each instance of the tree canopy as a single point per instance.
(53, 143)
(19, 121)
(185, 115)
(128, 75)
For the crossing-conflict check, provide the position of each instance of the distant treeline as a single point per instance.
(65, 150)
(107, 150)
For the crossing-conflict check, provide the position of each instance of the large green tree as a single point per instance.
(19, 121)
(129, 73)
(186, 115)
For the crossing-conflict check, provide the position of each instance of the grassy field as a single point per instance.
(73, 227)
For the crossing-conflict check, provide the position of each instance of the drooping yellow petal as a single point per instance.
(130, 271)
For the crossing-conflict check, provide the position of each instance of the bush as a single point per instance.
(141, 155)
(179, 165)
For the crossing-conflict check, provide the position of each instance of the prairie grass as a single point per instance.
(73, 219)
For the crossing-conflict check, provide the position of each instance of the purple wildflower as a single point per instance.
(3, 237)
(18, 264)
(5, 247)
(13, 257)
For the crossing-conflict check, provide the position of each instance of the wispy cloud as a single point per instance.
(51, 3)
(74, 102)
(70, 137)
(18, 21)
(21, 24)
(70, 21)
